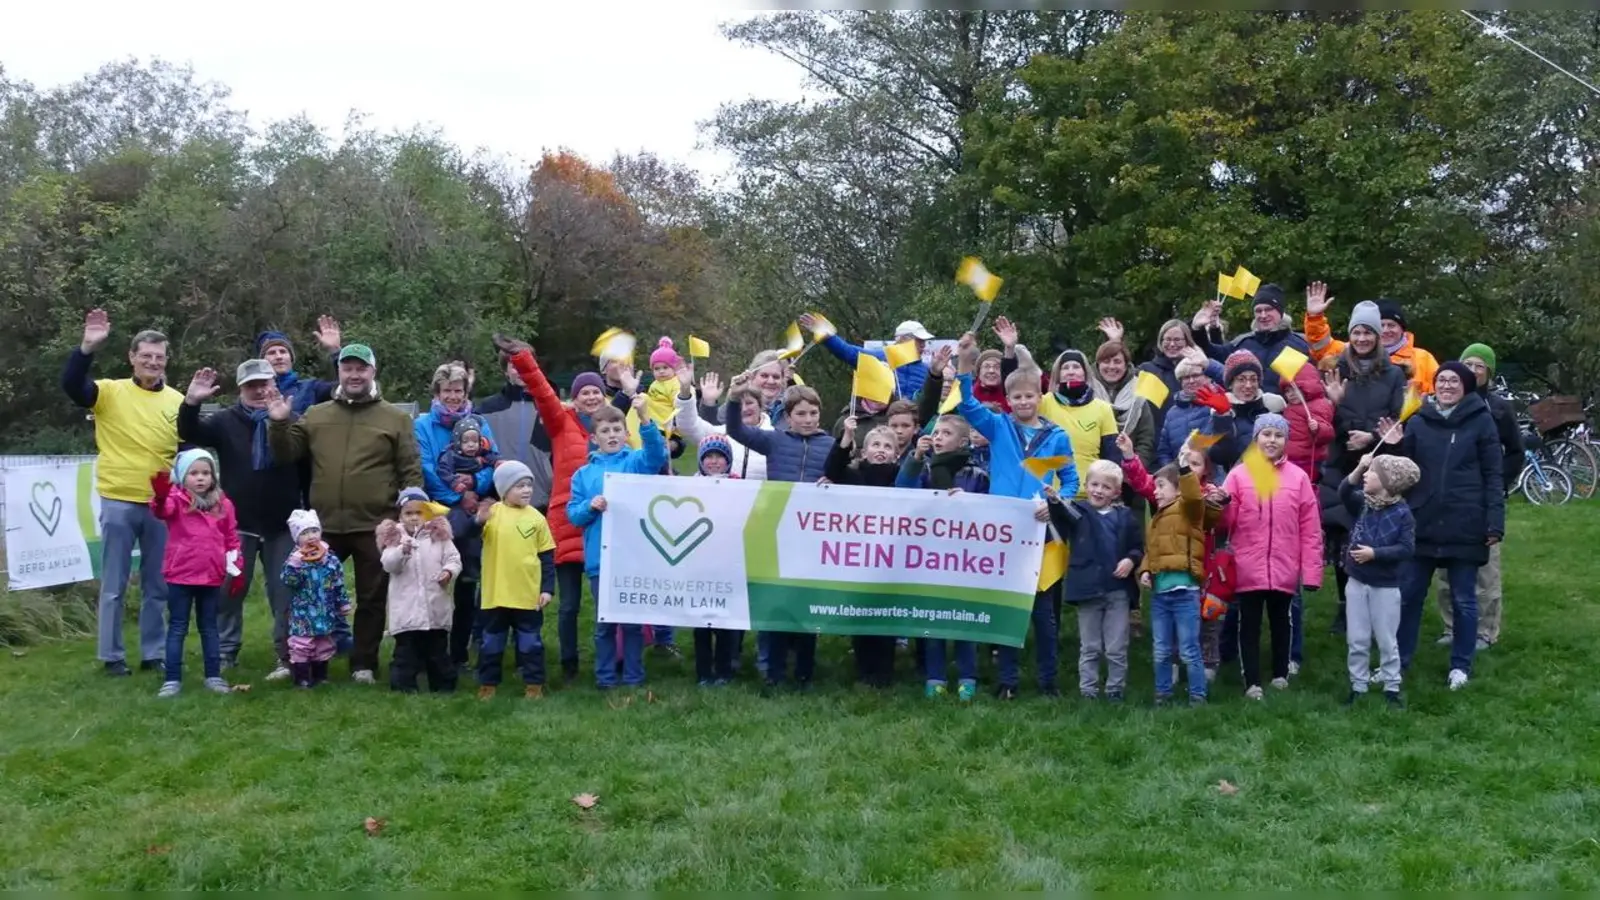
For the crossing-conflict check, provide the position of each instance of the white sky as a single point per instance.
(514, 78)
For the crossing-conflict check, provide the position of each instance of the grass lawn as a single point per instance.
(104, 786)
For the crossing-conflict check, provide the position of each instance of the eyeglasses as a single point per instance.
(150, 357)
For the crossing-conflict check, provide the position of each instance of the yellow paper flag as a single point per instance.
(1041, 467)
(903, 353)
(1413, 402)
(874, 380)
(952, 398)
(1052, 565)
(698, 349)
(1263, 474)
(1246, 282)
(793, 343)
(1227, 287)
(1149, 386)
(1289, 363)
(433, 510)
(613, 344)
(975, 275)
(795, 377)
(1200, 441)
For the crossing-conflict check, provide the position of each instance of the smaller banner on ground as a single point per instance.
(777, 556)
(52, 519)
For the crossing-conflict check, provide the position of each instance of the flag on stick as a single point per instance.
(874, 380)
(1263, 474)
(901, 354)
(1412, 403)
(614, 344)
(698, 349)
(1288, 364)
(793, 342)
(1042, 467)
(1200, 441)
(1149, 386)
(975, 275)
(1246, 282)
(1052, 565)
(1226, 287)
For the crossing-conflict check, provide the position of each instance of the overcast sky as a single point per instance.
(514, 78)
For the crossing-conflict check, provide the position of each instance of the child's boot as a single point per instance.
(934, 690)
(319, 672)
(486, 692)
(533, 692)
(301, 671)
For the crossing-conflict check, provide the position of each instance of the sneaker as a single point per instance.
(1211, 675)
(1090, 696)
(363, 676)
(1395, 700)
(967, 690)
(486, 692)
(218, 686)
(721, 682)
(280, 673)
(1253, 692)
(1006, 692)
(533, 692)
(1114, 697)
(1484, 644)
(705, 682)
(169, 689)
(1196, 700)
(1351, 698)
(153, 665)
(1281, 684)
(1458, 679)
(1294, 668)
(118, 669)
(1445, 639)
(1163, 699)
(934, 690)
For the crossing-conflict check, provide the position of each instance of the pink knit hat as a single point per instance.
(664, 355)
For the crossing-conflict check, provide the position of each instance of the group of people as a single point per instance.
(1221, 498)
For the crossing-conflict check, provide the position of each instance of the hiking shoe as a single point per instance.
(169, 689)
(933, 690)
(218, 686)
(280, 673)
(363, 676)
(533, 692)
(967, 690)
(1351, 698)
(1458, 679)
(1254, 692)
(487, 692)
(153, 665)
(118, 669)
(1395, 700)
(1445, 639)
(1281, 684)
(1006, 692)
(1294, 668)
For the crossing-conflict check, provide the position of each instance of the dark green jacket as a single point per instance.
(362, 453)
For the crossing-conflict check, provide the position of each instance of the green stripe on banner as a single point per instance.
(821, 607)
(761, 530)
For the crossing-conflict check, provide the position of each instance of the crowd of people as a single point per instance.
(1199, 494)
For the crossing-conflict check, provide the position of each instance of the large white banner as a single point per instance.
(52, 525)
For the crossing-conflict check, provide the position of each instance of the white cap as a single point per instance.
(912, 328)
(302, 519)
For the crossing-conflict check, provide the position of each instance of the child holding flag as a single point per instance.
(1174, 568)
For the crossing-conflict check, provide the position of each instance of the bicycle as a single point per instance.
(1541, 480)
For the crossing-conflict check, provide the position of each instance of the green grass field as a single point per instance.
(104, 786)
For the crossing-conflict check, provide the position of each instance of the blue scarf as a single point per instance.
(287, 382)
(260, 451)
(447, 419)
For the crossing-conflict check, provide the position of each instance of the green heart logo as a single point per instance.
(527, 530)
(47, 515)
(669, 529)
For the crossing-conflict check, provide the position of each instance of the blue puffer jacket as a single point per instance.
(1009, 445)
(433, 438)
(790, 456)
(1461, 498)
(589, 483)
(1099, 541)
(1391, 532)
(909, 376)
(1183, 416)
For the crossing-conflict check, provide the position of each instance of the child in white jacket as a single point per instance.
(421, 559)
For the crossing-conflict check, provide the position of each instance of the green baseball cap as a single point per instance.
(359, 351)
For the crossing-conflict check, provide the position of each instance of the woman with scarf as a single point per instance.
(1113, 379)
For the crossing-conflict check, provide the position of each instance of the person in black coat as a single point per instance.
(1459, 506)
(263, 492)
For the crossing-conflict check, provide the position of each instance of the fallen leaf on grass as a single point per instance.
(1227, 788)
(586, 801)
(18, 654)
(158, 849)
(627, 701)
(375, 826)
(241, 689)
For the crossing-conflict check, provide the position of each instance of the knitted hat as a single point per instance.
(588, 379)
(1469, 379)
(1271, 295)
(507, 474)
(1396, 473)
(1479, 351)
(1390, 309)
(463, 425)
(1269, 420)
(989, 354)
(664, 355)
(1067, 356)
(1239, 361)
(273, 339)
(302, 519)
(715, 443)
(1187, 367)
(188, 458)
(411, 495)
(1366, 314)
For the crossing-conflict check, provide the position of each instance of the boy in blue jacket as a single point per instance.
(1013, 438)
(588, 504)
(1382, 542)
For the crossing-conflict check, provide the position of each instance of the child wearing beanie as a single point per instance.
(202, 555)
(519, 575)
(1382, 542)
(421, 559)
(318, 601)
(664, 386)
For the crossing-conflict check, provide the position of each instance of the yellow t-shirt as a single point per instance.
(136, 432)
(513, 538)
(1085, 425)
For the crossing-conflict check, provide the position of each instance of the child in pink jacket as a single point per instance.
(1277, 546)
(202, 554)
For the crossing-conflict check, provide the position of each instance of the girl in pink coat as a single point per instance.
(1277, 545)
(202, 554)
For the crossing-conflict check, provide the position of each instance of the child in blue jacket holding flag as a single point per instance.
(1013, 438)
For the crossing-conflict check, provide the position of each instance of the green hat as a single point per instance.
(1479, 351)
(359, 351)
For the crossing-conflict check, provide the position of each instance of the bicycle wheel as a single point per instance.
(1546, 485)
(1578, 459)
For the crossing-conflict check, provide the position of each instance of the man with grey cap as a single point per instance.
(362, 453)
(263, 490)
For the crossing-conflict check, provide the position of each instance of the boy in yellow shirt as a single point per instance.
(519, 573)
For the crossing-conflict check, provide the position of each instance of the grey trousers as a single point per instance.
(273, 551)
(122, 525)
(1103, 632)
(1488, 599)
(1372, 613)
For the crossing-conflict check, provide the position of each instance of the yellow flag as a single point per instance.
(795, 377)
(823, 328)
(793, 343)
(1246, 282)
(600, 342)
(975, 275)
(635, 439)
(1263, 474)
(1289, 363)
(952, 398)
(698, 349)
(1149, 386)
(1200, 441)
(1413, 402)
(1227, 288)
(1052, 565)
(903, 353)
(1041, 467)
(433, 510)
(874, 380)
(614, 344)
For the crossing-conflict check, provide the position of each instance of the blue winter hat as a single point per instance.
(409, 494)
(187, 459)
(1269, 420)
(273, 338)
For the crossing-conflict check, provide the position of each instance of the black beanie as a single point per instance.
(1271, 295)
(1390, 309)
(1469, 379)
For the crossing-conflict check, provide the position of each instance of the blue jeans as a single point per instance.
(763, 651)
(1046, 631)
(605, 650)
(663, 636)
(122, 525)
(935, 664)
(1416, 578)
(206, 603)
(1175, 623)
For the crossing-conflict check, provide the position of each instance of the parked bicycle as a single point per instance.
(1542, 481)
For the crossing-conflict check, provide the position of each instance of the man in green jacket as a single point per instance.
(362, 452)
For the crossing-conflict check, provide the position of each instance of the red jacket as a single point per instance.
(569, 452)
(1308, 445)
(197, 542)
(1277, 543)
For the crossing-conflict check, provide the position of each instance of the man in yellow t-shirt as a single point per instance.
(519, 574)
(136, 432)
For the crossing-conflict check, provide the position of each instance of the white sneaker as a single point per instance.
(218, 686)
(363, 676)
(169, 689)
(1253, 692)
(1281, 684)
(1294, 668)
(1445, 639)
(1458, 679)
(281, 673)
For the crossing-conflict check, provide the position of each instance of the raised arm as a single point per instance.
(752, 438)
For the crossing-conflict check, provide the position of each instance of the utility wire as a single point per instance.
(1504, 35)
